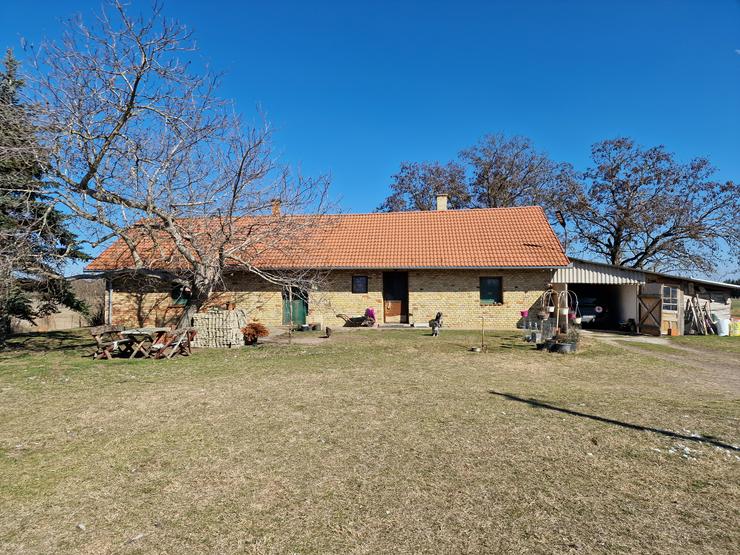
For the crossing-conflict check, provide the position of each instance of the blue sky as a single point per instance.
(355, 88)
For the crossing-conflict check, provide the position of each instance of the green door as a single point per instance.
(296, 301)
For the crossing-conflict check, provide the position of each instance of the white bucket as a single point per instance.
(723, 328)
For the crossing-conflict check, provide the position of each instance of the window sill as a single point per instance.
(491, 304)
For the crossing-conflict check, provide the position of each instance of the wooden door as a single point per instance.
(393, 311)
(295, 307)
(650, 314)
(395, 297)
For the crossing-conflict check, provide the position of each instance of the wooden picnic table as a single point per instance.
(144, 338)
(109, 341)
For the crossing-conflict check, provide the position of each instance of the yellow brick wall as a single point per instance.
(139, 303)
(260, 299)
(334, 296)
(455, 293)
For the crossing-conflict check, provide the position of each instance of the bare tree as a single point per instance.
(640, 207)
(416, 185)
(142, 149)
(511, 172)
(497, 172)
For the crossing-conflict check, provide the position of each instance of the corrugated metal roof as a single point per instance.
(582, 271)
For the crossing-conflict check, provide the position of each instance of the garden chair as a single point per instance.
(368, 320)
(176, 342)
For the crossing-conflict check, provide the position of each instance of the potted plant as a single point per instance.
(252, 332)
(551, 308)
(568, 342)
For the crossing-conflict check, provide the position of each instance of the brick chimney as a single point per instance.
(276, 207)
(442, 202)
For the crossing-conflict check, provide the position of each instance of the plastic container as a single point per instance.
(723, 328)
(735, 328)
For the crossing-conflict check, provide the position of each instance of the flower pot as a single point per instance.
(577, 319)
(563, 311)
(563, 348)
(524, 313)
(551, 309)
(571, 315)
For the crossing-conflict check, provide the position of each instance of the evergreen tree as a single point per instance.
(34, 239)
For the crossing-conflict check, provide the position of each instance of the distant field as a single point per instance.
(736, 308)
(369, 442)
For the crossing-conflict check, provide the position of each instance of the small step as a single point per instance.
(394, 326)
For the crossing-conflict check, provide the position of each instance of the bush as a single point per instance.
(254, 331)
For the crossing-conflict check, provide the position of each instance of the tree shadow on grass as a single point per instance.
(542, 405)
(39, 342)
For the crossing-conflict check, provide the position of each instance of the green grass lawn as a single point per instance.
(709, 342)
(735, 308)
(369, 442)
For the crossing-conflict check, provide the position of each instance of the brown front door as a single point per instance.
(396, 297)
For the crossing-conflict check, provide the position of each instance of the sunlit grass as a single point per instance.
(368, 442)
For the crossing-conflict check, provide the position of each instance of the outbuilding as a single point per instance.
(653, 303)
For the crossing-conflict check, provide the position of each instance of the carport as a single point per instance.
(608, 295)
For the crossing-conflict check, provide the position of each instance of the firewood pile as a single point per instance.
(219, 328)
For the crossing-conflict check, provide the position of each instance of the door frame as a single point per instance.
(390, 277)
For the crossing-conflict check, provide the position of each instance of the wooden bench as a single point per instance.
(109, 341)
(175, 342)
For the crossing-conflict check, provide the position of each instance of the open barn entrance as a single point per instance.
(606, 307)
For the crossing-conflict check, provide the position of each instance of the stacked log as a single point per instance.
(219, 329)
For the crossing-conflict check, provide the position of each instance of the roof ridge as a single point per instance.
(448, 211)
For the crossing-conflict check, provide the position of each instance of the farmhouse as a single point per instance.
(407, 266)
(478, 266)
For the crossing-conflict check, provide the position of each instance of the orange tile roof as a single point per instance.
(477, 238)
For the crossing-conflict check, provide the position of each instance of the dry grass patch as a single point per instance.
(709, 342)
(371, 442)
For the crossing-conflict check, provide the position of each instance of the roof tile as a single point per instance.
(476, 238)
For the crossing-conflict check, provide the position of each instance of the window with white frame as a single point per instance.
(670, 298)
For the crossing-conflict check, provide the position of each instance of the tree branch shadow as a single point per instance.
(542, 405)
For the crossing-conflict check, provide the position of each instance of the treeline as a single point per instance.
(633, 205)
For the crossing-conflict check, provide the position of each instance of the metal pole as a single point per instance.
(110, 301)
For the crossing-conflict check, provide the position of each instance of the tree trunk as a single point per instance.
(200, 291)
(4, 330)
